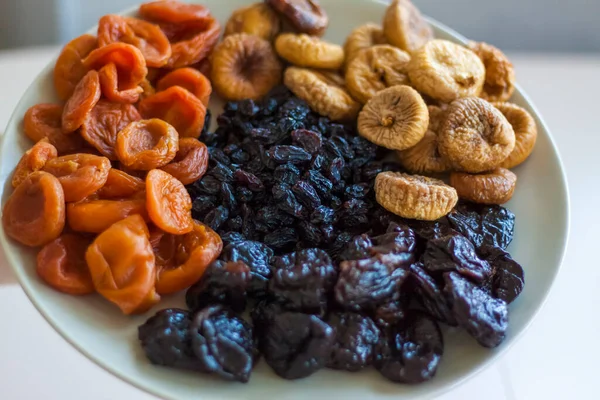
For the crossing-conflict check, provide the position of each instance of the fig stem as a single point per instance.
(387, 121)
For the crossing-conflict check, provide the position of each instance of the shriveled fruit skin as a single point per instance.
(494, 187)
(147, 144)
(190, 162)
(69, 68)
(525, 133)
(404, 26)
(33, 160)
(307, 16)
(446, 71)
(475, 136)
(109, 82)
(499, 72)
(43, 121)
(375, 69)
(414, 196)
(257, 19)
(395, 118)
(361, 38)
(307, 51)
(82, 101)
(244, 67)
(324, 92)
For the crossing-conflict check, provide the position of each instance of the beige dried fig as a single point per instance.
(361, 38)
(244, 67)
(494, 187)
(446, 71)
(323, 91)
(424, 157)
(257, 19)
(309, 51)
(307, 16)
(395, 118)
(405, 27)
(525, 133)
(475, 136)
(499, 72)
(375, 69)
(414, 196)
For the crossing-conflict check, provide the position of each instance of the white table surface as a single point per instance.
(558, 357)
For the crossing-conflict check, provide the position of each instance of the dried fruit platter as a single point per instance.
(96, 328)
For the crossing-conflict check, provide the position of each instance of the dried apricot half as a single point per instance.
(84, 98)
(34, 213)
(109, 82)
(147, 144)
(33, 160)
(95, 216)
(121, 263)
(120, 184)
(188, 78)
(128, 59)
(195, 41)
(494, 187)
(69, 68)
(169, 204)
(61, 264)
(43, 120)
(79, 174)
(190, 162)
(173, 11)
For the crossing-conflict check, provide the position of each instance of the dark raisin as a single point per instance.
(306, 194)
(257, 256)
(228, 197)
(282, 239)
(334, 171)
(249, 180)
(244, 194)
(248, 108)
(317, 162)
(207, 120)
(231, 237)
(357, 191)
(221, 172)
(322, 215)
(508, 279)
(309, 233)
(288, 154)
(355, 338)
(216, 217)
(287, 173)
(208, 185)
(322, 185)
(202, 205)
(429, 294)
(308, 140)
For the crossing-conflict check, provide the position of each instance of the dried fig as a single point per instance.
(309, 51)
(446, 71)
(424, 157)
(395, 118)
(405, 27)
(475, 136)
(525, 133)
(362, 38)
(306, 16)
(494, 187)
(375, 69)
(244, 67)
(257, 19)
(414, 196)
(499, 72)
(324, 92)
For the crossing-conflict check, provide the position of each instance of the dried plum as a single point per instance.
(429, 294)
(257, 256)
(391, 312)
(484, 225)
(508, 279)
(355, 338)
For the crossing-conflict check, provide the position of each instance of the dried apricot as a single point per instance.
(95, 216)
(121, 263)
(173, 11)
(61, 264)
(405, 27)
(109, 82)
(121, 184)
(43, 120)
(256, 19)
(303, 50)
(169, 204)
(128, 59)
(188, 78)
(182, 260)
(190, 162)
(69, 68)
(33, 160)
(79, 174)
(362, 38)
(525, 133)
(244, 67)
(102, 125)
(84, 98)
(34, 213)
(307, 16)
(325, 92)
(499, 72)
(494, 187)
(475, 136)
(196, 41)
(147, 89)
(147, 144)
(178, 107)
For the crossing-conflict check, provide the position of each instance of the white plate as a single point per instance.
(98, 330)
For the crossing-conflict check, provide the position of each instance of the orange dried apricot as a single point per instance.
(178, 107)
(109, 81)
(190, 162)
(188, 78)
(120, 184)
(129, 60)
(33, 160)
(195, 42)
(42, 120)
(69, 68)
(61, 264)
(121, 263)
(182, 260)
(95, 216)
(147, 144)
(79, 174)
(84, 98)
(172, 11)
(34, 214)
(169, 204)
(103, 124)
(147, 89)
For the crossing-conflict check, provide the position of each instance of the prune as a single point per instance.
(306, 194)
(296, 345)
(391, 312)
(508, 279)
(482, 316)
(249, 180)
(257, 256)
(484, 225)
(223, 342)
(166, 340)
(282, 239)
(430, 295)
(357, 249)
(411, 351)
(216, 217)
(302, 280)
(455, 253)
(429, 230)
(288, 154)
(355, 338)
(222, 283)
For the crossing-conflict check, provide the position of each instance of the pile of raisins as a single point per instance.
(329, 277)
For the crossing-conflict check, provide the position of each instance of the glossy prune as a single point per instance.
(484, 225)
(355, 338)
(257, 256)
(508, 279)
(429, 294)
